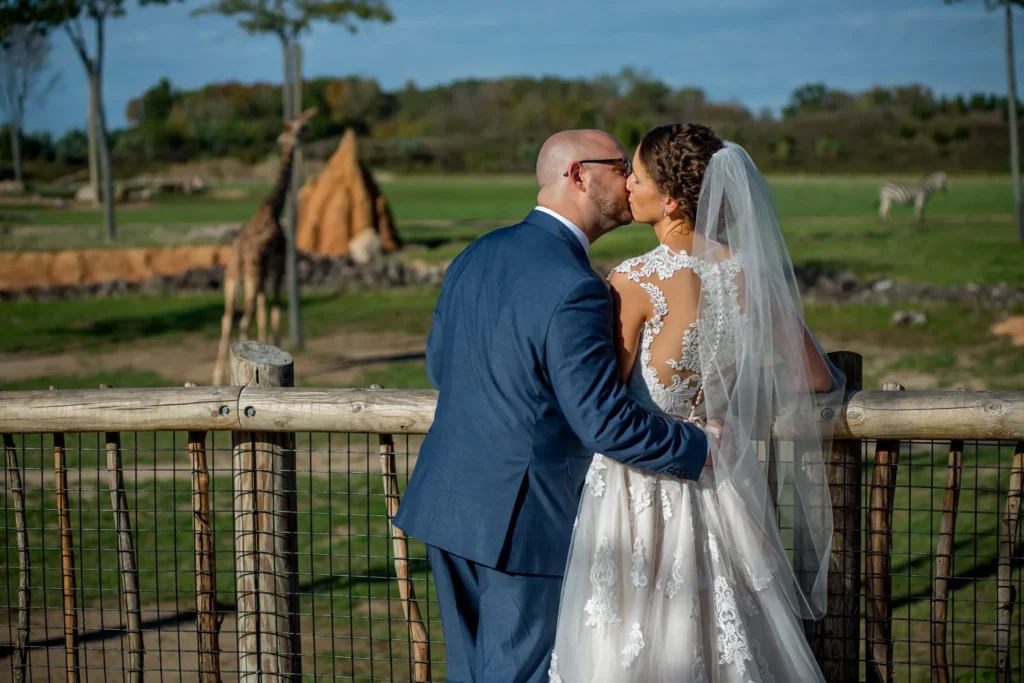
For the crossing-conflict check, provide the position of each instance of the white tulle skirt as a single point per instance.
(665, 583)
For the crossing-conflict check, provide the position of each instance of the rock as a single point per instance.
(85, 194)
(915, 318)
(12, 187)
(883, 285)
(366, 246)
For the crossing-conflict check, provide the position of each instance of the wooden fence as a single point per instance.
(263, 562)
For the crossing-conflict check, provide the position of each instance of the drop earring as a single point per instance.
(664, 212)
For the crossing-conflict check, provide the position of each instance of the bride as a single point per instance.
(671, 580)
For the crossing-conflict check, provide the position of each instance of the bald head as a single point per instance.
(561, 149)
(592, 196)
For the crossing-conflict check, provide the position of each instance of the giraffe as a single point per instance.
(257, 256)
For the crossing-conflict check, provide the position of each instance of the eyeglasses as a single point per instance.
(625, 162)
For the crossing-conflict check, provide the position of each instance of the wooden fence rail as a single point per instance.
(264, 412)
(938, 415)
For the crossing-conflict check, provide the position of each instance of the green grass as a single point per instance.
(398, 375)
(828, 221)
(120, 378)
(345, 562)
(96, 323)
(463, 198)
(954, 348)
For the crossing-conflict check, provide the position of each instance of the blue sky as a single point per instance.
(753, 51)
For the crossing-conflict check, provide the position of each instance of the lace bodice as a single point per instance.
(679, 393)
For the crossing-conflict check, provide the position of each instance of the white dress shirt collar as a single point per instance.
(569, 224)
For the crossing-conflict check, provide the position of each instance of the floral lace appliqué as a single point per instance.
(639, 571)
(676, 582)
(553, 676)
(716, 555)
(634, 643)
(595, 480)
(662, 261)
(641, 499)
(666, 506)
(600, 608)
(680, 395)
(732, 641)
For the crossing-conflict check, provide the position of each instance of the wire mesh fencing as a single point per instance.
(128, 568)
(350, 622)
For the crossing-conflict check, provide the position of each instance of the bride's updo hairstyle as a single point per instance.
(676, 157)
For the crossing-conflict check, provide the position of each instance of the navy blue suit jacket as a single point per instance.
(522, 353)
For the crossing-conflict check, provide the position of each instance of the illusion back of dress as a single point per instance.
(666, 374)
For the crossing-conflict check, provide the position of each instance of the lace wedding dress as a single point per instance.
(667, 580)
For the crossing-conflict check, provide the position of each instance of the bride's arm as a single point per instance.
(819, 375)
(631, 310)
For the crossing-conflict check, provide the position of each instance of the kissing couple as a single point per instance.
(601, 488)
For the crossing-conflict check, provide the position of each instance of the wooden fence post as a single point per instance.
(67, 558)
(207, 623)
(125, 556)
(944, 562)
(835, 640)
(17, 489)
(1006, 594)
(406, 590)
(878, 563)
(266, 557)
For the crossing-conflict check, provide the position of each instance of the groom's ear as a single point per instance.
(575, 174)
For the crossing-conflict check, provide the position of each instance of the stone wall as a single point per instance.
(35, 269)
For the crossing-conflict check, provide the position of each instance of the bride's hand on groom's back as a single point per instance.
(714, 431)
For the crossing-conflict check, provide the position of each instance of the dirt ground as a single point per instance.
(335, 359)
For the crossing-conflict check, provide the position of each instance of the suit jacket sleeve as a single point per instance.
(582, 366)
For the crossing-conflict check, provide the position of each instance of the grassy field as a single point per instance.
(343, 549)
(831, 222)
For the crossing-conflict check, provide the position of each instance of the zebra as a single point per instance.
(912, 193)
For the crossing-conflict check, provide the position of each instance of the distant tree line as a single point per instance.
(497, 125)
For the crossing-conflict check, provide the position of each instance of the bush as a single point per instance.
(829, 148)
(630, 131)
(784, 148)
(72, 148)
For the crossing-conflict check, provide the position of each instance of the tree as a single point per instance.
(1011, 105)
(69, 15)
(288, 20)
(24, 63)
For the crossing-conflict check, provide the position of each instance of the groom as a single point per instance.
(522, 354)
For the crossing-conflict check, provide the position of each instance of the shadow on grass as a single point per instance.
(379, 574)
(353, 363)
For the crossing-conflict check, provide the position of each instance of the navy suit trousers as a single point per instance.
(498, 627)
